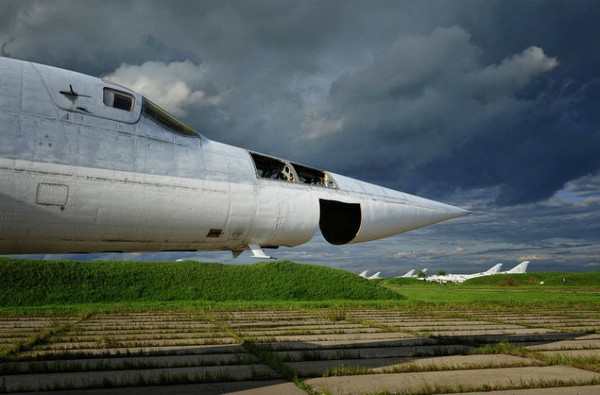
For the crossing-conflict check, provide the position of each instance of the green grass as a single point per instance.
(505, 290)
(550, 279)
(40, 283)
(489, 297)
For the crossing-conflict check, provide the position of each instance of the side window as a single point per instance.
(117, 99)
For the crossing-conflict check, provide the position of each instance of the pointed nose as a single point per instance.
(388, 217)
(436, 209)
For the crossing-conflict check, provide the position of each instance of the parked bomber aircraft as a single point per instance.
(90, 166)
(519, 269)
(459, 278)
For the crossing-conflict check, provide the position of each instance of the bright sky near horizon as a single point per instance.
(487, 105)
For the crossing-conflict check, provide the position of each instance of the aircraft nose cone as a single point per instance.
(384, 218)
(433, 211)
(446, 209)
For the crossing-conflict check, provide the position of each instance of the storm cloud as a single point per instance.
(488, 105)
(424, 95)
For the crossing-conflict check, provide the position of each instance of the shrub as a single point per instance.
(509, 282)
(533, 281)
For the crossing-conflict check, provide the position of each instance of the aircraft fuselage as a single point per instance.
(90, 166)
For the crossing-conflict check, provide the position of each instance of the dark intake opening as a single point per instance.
(339, 221)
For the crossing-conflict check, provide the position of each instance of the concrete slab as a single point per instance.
(137, 362)
(568, 345)
(117, 378)
(399, 364)
(268, 387)
(309, 331)
(99, 327)
(282, 323)
(337, 337)
(304, 325)
(582, 353)
(410, 322)
(475, 328)
(457, 362)
(347, 344)
(461, 380)
(578, 390)
(112, 343)
(575, 328)
(475, 332)
(372, 352)
(321, 368)
(273, 389)
(515, 338)
(149, 335)
(174, 350)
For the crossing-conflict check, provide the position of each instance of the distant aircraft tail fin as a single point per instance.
(364, 274)
(374, 276)
(520, 268)
(494, 269)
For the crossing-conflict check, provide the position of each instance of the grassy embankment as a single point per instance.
(52, 283)
(91, 286)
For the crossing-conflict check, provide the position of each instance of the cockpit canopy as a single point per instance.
(155, 113)
(83, 94)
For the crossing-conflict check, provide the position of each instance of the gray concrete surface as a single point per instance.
(461, 379)
(370, 350)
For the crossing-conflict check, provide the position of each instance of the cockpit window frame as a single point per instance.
(274, 169)
(163, 118)
(115, 98)
(315, 177)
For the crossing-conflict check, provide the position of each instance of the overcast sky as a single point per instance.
(493, 106)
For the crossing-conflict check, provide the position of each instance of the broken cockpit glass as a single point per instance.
(310, 176)
(278, 169)
(272, 168)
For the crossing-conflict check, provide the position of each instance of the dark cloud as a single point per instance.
(424, 95)
(528, 160)
(3, 51)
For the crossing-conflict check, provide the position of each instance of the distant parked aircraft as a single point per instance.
(519, 269)
(364, 274)
(459, 278)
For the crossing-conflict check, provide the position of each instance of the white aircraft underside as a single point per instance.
(90, 166)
